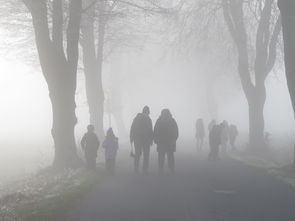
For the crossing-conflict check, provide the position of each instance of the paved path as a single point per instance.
(199, 191)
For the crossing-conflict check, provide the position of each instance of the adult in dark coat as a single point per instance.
(141, 134)
(215, 141)
(90, 145)
(165, 136)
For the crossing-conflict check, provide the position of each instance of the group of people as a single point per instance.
(90, 145)
(164, 134)
(142, 136)
(221, 134)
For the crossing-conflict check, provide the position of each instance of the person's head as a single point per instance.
(110, 133)
(166, 113)
(90, 128)
(146, 110)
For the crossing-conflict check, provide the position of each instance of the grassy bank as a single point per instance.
(46, 195)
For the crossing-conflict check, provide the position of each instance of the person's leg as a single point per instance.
(138, 151)
(198, 144)
(161, 158)
(201, 143)
(171, 161)
(146, 158)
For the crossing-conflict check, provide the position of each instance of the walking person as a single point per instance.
(211, 125)
(90, 145)
(233, 133)
(214, 142)
(111, 146)
(224, 136)
(165, 136)
(200, 134)
(141, 135)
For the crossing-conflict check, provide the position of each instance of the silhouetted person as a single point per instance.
(141, 134)
(224, 136)
(211, 125)
(165, 136)
(90, 145)
(200, 134)
(214, 142)
(111, 146)
(233, 133)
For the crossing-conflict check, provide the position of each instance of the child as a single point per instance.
(90, 144)
(111, 147)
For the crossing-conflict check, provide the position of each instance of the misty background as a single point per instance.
(192, 85)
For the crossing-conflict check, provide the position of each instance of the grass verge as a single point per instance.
(47, 195)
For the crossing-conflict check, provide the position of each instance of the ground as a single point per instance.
(227, 190)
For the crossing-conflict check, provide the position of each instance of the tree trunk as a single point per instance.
(92, 61)
(287, 8)
(60, 74)
(256, 121)
(100, 52)
(64, 121)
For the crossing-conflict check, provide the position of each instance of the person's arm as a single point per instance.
(155, 133)
(176, 130)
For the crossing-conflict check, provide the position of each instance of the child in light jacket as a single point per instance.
(111, 147)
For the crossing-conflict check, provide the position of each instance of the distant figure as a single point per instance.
(224, 136)
(111, 146)
(267, 138)
(233, 133)
(211, 125)
(165, 136)
(200, 134)
(214, 142)
(141, 134)
(90, 145)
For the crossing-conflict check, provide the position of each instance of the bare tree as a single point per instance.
(287, 8)
(59, 68)
(97, 17)
(267, 34)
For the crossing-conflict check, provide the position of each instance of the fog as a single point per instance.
(182, 110)
(146, 78)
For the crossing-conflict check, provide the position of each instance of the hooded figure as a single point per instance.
(165, 136)
(111, 146)
(141, 135)
(90, 144)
